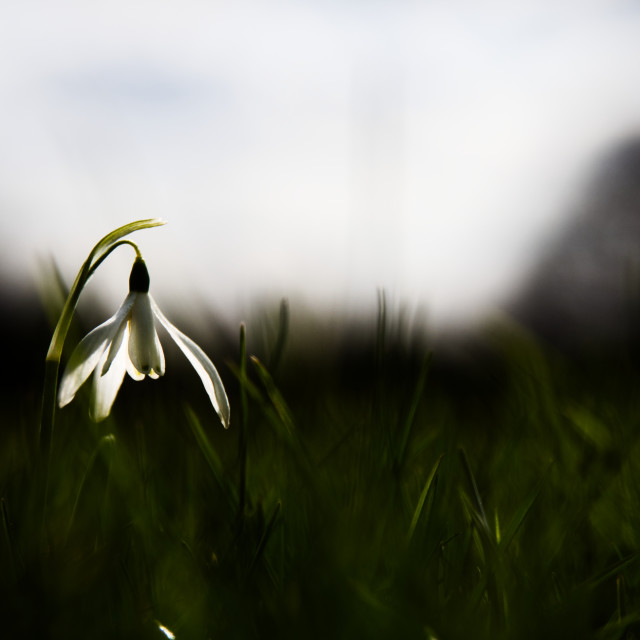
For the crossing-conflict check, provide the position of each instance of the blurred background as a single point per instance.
(319, 150)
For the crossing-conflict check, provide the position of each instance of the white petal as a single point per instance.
(87, 354)
(120, 331)
(145, 349)
(106, 386)
(132, 371)
(201, 363)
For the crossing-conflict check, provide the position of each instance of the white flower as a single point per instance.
(128, 343)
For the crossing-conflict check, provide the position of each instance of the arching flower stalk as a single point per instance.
(128, 343)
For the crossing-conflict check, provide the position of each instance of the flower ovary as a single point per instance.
(139, 278)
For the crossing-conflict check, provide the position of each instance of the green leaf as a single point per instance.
(121, 232)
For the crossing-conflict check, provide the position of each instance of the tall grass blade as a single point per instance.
(107, 441)
(477, 500)
(620, 599)
(16, 562)
(413, 408)
(423, 497)
(519, 516)
(264, 539)
(619, 629)
(244, 412)
(612, 570)
(210, 455)
(278, 402)
(381, 329)
(283, 333)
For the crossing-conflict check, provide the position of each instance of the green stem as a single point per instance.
(103, 257)
(242, 446)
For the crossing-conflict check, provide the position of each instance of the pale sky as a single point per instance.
(308, 148)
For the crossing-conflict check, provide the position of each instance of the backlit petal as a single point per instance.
(87, 354)
(106, 386)
(132, 371)
(145, 349)
(201, 363)
(118, 336)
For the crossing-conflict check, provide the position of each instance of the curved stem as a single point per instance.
(105, 255)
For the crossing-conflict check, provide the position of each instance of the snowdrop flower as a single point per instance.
(128, 343)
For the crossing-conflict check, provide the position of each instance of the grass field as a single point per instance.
(367, 488)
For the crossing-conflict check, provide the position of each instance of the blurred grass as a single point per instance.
(369, 490)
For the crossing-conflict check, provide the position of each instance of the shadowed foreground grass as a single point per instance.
(371, 493)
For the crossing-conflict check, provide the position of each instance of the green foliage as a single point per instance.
(365, 496)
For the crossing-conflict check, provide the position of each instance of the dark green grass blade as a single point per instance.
(612, 570)
(520, 515)
(210, 455)
(244, 417)
(478, 507)
(421, 501)
(106, 442)
(16, 560)
(264, 539)
(284, 424)
(401, 452)
(281, 339)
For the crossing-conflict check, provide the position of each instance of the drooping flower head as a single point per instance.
(128, 343)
